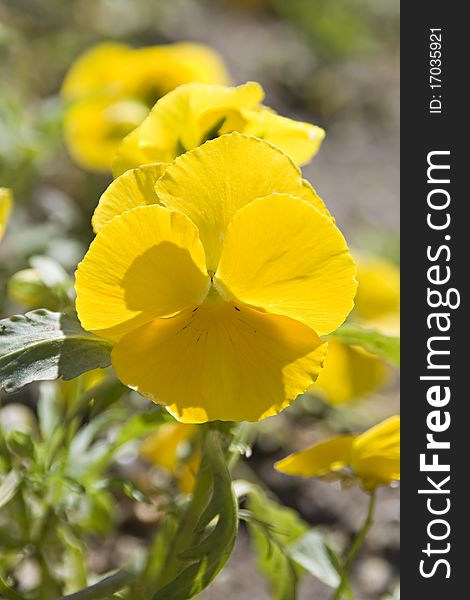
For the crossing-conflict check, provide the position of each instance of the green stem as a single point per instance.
(72, 422)
(104, 588)
(185, 533)
(355, 547)
(212, 478)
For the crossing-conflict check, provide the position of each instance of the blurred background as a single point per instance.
(333, 63)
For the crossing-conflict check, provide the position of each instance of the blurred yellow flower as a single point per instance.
(217, 295)
(111, 88)
(6, 204)
(371, 458)
(194, 113)
(377, 302)
(94, 128)
(349, 372)
(170, 447)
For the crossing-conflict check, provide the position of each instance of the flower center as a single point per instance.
(150, 94)
(216, 292)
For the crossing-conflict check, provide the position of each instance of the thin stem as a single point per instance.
(104, 588)
(355, 547)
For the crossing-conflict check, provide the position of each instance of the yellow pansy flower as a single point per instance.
(142, 72)
(371, 458)
(194, 113)
(377, 303)
(169, 447)
(217, 284)
(6, 203)
(111, 88)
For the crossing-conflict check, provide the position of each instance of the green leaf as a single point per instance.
(49, 410)
(87, 435)
(90, 450)
(311, 553)
(207, 531)
(73, 557)
(158, 552)
(139, 425)
(385, 346)
(105, 588)
(132, 491)
(9, 487)
(44, 345)
(273, 529)
(20, 443)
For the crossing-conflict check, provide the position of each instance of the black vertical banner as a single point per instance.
(435, 198)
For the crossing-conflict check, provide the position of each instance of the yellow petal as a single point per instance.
(199, 63)
(283, 256)
(161, 447)
(220, 362)
(320, 459)
(191, 114)
(102, 67)
(146, 263)
(211, 183)
(95, 126)
(349, 373)
(180, 121)
(301, 141)
(168, 447)
(118, 67)
(134, 188)
(375, 455)
(163, 68)
(6, 204)
(378, 293)
(187, 473)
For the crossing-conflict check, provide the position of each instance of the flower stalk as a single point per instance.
(182, 540)
(355, 547)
